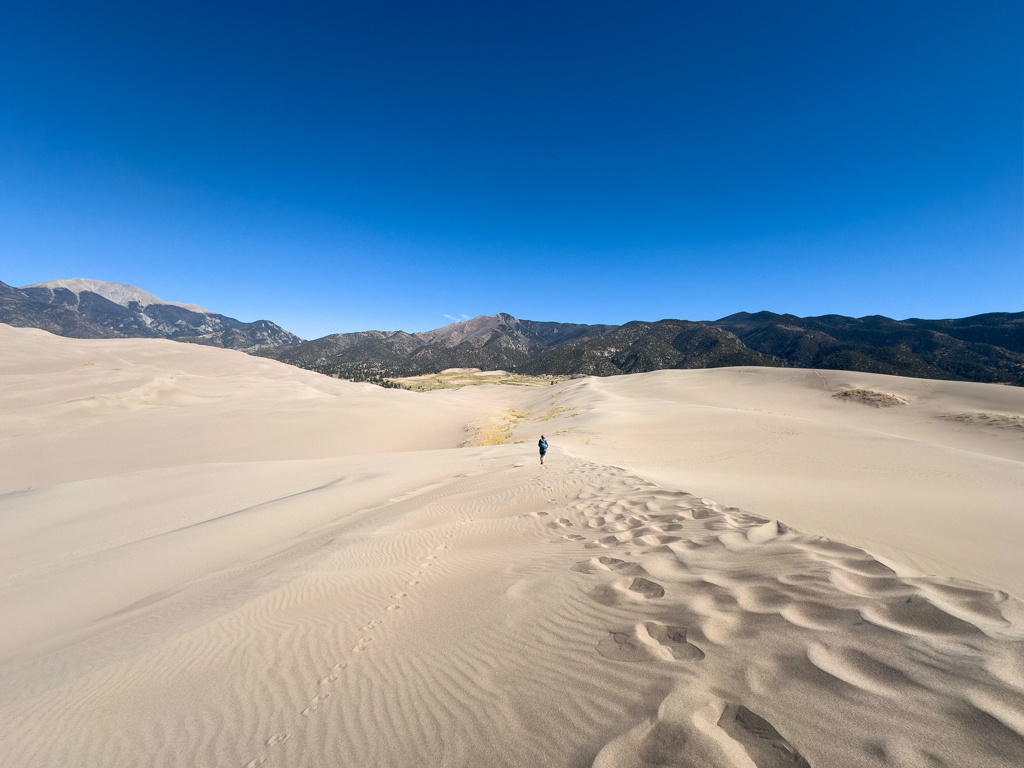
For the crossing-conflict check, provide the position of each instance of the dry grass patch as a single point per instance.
(984, 419)
(870, 397)
(557, 411)
(552, 414)
(495, 429)
(456, 378)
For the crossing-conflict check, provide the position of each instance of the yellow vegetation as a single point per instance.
(473, 377)
(496, 429)
(983, 418)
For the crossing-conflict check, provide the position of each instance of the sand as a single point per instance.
(910, 483)
(209, 559)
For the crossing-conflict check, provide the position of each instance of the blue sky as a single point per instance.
(344, 166)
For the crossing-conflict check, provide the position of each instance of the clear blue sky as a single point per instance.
(382, 164)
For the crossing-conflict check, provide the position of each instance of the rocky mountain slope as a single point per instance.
(981, 348)
(638, 346)
(18, 310)
(488, 341)
(92, 309)
(986, 348)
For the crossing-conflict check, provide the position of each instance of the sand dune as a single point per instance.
(208, 559)
(914, 484)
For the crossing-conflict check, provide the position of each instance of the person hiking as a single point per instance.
(543, 445)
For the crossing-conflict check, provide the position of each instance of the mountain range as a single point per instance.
(91, 309)
(488, 341)
(983, 348)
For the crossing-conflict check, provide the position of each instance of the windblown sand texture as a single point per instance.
(208, 559)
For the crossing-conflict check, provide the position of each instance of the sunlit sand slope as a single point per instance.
(936, 484)
(75, 409)
(232, 602)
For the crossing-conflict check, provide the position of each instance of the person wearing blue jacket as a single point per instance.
(543, 445)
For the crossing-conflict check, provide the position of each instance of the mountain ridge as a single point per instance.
(984, 348)
(962, 349)
(84, 308)
(119, 293)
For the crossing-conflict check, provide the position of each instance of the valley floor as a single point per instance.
(211, 559)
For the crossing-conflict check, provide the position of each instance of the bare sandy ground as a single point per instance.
(208, 559)
(918, 483)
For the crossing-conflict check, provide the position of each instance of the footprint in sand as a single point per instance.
(597, 564)
(412, 583)
(256, 761)
(759, 738)
(399, 595)
(859, 669)
(394, 607)
(617, 592)
(314, 704)
(328, 680)
(683, 735)
(442, 547)
(916, 615)
(372, 625)
(278, 738)
(604, 564)
(646, 588)
(649, 641)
